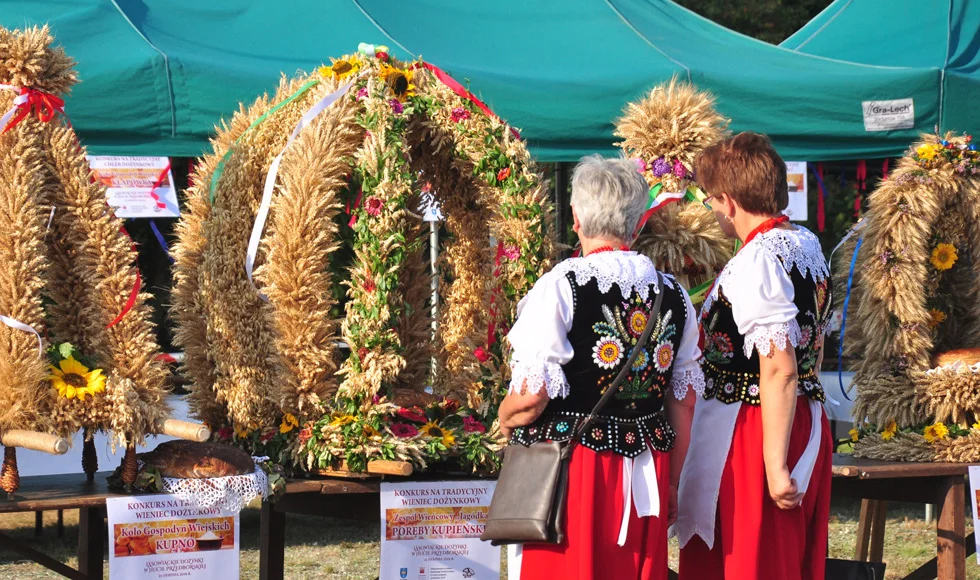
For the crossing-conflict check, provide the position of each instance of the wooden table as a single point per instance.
(878, 482)
(60, 492)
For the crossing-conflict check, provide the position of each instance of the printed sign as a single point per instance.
(130, 185)
(796, 179)
(975, 498)
(431, 531)
(161, 537)
(889, 115)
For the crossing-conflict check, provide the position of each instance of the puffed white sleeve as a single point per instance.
(762, 302)
(539, 338)
(687, 370)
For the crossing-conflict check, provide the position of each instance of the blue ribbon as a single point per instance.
(823, 188)
(843, 323)
(162, 240)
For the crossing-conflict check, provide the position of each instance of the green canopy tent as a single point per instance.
(928, 35)
(157, 75)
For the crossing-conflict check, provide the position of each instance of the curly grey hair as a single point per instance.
(609, 197)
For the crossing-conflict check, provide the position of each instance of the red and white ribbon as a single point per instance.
(44, 105)
(18, 325)
(270, 180)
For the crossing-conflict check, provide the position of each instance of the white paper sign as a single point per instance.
(888, 115)
(129, 185)
(974, 497)
(431, 531)
(796, 179)
(161, 537)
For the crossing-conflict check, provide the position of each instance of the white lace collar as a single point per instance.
(797, 247)
(631, 269)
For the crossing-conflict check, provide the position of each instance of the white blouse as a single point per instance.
(758, 285)
(539, 337)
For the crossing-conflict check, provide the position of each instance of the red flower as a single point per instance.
(471, 425)
(381, 55)
(362, 352)
(451, 405)
(225, 433)
(412, 415)
(396, 106)
(481, 354)
(266, 437)
(512, 253)
(459, 114)
(306, 434)
(369, 285)
(404, 430)
(373, 206)
(503, 174)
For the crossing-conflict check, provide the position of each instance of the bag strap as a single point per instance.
(652, 321)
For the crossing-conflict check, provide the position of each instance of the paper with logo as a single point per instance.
(796, 180)
(162, 537)
(888, 115)
(431, 531)
(975, 498)
(137, 186)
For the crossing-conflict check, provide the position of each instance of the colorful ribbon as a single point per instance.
(135, 292)
(862, 187)
(44, 105)
(18, 325)
(492, 327)
(270, 179)
(843, 324)
(460, 90)
(821, 215)
(220, 168)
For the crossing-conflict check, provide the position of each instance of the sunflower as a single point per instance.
(342, 420)
(341, 68)
(73, 379)
(289, 422)
(399, 81)
(944, 256)
(433, 430)
(936, 317)
(935, 432)
(927, 152)
(890, 429)
(855, 435)
(370, 432)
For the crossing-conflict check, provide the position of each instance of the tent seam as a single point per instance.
(647, 40)
(381, 28)
(942, 79)
(166, 66)
(825, 25)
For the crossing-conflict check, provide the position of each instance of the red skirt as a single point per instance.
(595, 513)
(754, 539)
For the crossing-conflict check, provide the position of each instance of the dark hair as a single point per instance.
(748, 169)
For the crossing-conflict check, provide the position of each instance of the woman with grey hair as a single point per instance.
(574, 333)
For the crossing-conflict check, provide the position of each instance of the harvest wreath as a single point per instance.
(256, 307)
(910, 279)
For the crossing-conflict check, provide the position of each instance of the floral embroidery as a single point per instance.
(637, 321)
(729, 388)
(597, 434)
(630, 438)
(665, 356)
(753, 391)
(607, 352)
(718, 348)
(562, 427)
(642, 360)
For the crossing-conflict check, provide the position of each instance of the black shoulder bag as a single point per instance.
(528, 503)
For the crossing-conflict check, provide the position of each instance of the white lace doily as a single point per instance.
(628, 270)
(230, 493)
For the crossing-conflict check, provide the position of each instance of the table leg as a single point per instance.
(272, 543)
(38, 523)
(876, 549)
(61, 523)
(951, 530)
(91, 542)
(864, 530)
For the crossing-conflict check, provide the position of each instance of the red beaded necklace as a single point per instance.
(608, 249)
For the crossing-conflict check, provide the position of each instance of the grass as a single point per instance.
(330, 549)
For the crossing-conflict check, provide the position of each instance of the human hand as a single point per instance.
(672, 505)
(784, 491)
(506, 432)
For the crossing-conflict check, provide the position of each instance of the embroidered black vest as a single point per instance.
(604, 329)
(732, 377)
